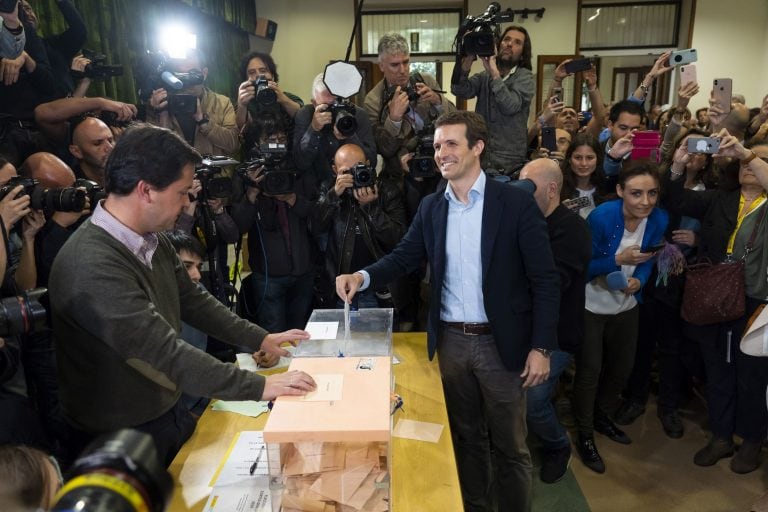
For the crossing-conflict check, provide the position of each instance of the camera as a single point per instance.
(214, 185)
(276, 179)
(93, 191)
(152, 73)
(264, 95)
(48, 200)
(181, 104)
(119, 472)
(8, 5)
(98, 69)
(363, 175)
(422, 165)
(23, 314)
(343, 118)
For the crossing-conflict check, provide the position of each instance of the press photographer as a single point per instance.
(204, 118)
(504, 89)
(275, 211)
(325, 125)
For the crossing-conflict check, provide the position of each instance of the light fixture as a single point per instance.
(597, 13)
(175, 40)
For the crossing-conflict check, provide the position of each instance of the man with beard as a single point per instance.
(92, 142)
(504, 91)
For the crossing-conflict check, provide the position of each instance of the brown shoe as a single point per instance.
(715, 450)
(747, 458)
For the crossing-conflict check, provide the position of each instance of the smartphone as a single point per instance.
(557, 94)
(722, 90)
(645, 145)
(653, 248)
(688, 74)
(577, 203)
(548, 139)
(578, 65)
(707, 145)
(586, 117)
(679, 57)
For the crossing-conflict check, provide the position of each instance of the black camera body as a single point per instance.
(49, 200)
(93, 191)
(98, 69)
(182, 104)
(8, 5)
(343, 118)
(477, 35)
(23, 314)
(423, 165)
(264, 95)
(214, 185)
(481, 41)
(152, 73)
(276, 179)
(363, 175)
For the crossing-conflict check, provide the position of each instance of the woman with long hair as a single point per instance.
(583, 175)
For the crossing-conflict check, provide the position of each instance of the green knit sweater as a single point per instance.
(116, 326)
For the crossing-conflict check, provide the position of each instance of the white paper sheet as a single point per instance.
(329, 388)
(236, 470)
(322, 330)
(418, 430)
(250, 408)
(239, 499)
(245, 361)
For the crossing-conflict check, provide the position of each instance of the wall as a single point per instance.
(731, 41)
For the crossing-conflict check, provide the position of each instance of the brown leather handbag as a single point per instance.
(716, 293)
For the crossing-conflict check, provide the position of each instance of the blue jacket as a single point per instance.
(607, 224)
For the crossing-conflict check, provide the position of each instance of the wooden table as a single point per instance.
(424, 474)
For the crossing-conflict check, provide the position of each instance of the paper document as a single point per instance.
(250, 408)
(418, 430)
(346, 320)
(238, 499)
(236, 468)
(322, 330)
(329, 388)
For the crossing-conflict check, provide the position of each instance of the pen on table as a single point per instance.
(258, 458)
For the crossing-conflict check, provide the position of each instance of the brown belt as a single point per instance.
(473, 329)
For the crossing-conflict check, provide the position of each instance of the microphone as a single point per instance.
(170, 79)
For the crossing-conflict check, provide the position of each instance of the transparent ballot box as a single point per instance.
(368, 333)
(329, 451)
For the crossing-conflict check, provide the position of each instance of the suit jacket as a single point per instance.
(521, 291)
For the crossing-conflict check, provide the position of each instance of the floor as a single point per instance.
(654, 473)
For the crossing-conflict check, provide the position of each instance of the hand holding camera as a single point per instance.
(344, 180)
(14, 206)
(159, 100)
(321, 118)
(366, 195)
(427, 94)
(398, 105)
(245, 93)
(623, 146)
(33, 222)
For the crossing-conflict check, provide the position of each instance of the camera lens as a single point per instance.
(57, 199)
(23, 314)
(346, 123)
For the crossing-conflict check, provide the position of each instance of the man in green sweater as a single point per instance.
(118, 295)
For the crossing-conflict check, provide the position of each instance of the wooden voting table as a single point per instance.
(424, 474)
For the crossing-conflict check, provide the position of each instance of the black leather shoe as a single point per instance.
(628, 412)
(589, 454)
(611, 431)
(670, 422)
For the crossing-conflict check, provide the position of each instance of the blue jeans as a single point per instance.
(283, 301)
(541, 416)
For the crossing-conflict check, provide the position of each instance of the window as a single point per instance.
(428, 32)
(608, 26)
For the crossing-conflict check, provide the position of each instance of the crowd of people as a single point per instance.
(127, 215)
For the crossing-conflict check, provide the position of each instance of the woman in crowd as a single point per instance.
(623, 230)
(583, 174)
(736, 383)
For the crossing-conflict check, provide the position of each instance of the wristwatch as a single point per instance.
(543, 351)
(203, 121)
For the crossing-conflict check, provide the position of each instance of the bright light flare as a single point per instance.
(175, 40)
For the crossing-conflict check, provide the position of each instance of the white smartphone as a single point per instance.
(688, 74)
(679, 57)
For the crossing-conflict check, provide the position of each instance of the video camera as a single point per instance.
(214, 185)
(112, 468)
(363, 175)
(49, 200)
(276, 180)
(477, 35)
(423, 165)
(23, 314)
(153, 73)
(98, 69)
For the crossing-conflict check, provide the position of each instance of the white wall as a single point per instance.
(732, 42)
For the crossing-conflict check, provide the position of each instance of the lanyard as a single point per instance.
(752, 207)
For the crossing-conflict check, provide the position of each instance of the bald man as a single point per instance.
(571, 243)
(48, 169)
(363, 223)
(92, 142)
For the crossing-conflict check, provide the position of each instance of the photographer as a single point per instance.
(401, 105)
(280, 247)
(211, 127)
(270, 97)
(364, 218)
(316, 137)
(504, 91)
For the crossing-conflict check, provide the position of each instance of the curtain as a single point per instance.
(123, 30)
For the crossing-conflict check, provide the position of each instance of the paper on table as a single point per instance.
(346, 320)
(418, 430)
(239, 499)
(236, 468)
(322, 330)
(250, 408)
(329, 388)
(245, 361)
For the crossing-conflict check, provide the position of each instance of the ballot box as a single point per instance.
(329, 451)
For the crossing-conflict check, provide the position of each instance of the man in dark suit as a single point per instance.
(493, 313)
